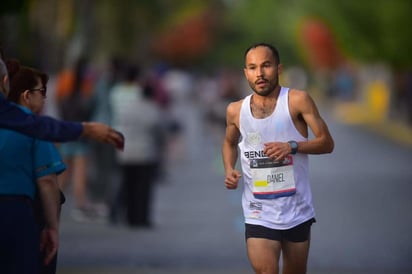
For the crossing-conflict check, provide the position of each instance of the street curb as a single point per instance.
(356, 114)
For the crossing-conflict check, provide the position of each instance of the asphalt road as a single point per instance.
(362, 195)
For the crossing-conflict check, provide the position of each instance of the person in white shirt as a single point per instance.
(138, 116)
(270, 128)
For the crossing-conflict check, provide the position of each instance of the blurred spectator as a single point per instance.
(402, 97)
(30, 176)
(229, 90)
(295, 77)
(74, 90)
(155, 81)
(408, 96)
(344, 83)
(137, 115)
(153, 84)
(178, 85)
(104, 169)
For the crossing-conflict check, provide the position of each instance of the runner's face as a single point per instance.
(261, 70)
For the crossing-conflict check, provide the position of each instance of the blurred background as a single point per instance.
(187, 58)
(353, 51)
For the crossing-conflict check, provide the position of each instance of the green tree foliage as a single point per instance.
(366, 30)
(369, 31)
(249, 22)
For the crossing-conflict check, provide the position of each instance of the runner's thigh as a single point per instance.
(295, 257)
(264, 255)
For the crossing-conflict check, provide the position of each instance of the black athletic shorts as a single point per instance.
(299, 233)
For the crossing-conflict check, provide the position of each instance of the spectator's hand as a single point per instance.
(232, 179)
(49, 243)
(103, 133)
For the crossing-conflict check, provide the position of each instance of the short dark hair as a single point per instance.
(22, 78)
(272, 48)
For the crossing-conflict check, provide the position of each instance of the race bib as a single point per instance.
(272, 179)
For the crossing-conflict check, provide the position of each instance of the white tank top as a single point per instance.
(282, 212)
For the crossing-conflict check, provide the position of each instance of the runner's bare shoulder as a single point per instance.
(233, 111)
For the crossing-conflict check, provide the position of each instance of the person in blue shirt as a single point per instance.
(28, 168)
(47, 128)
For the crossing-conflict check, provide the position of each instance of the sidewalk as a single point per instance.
(353, 113)
(155, 270)
(199, 225)
(188, 271)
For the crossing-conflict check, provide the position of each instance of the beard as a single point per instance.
(265, 91)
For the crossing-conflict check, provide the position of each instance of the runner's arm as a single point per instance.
(229, 147)
(322, 141)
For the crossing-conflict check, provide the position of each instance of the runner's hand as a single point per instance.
(232, 179)
(277, 151)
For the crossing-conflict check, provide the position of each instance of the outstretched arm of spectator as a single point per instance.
(49, 129)
(40, 127)
(103, 133)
